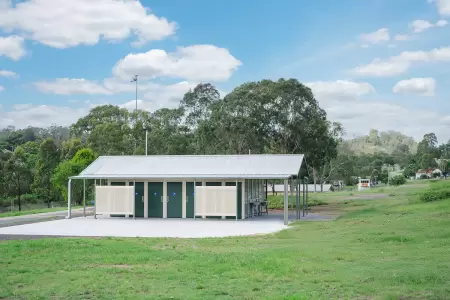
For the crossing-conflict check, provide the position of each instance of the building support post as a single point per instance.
(286, 203)
(304, 196)
(69, 198)
(237, 197)
(84, 197)
(297, 210)
(195, 185)
(95, 200)
(306, 199)
(292, 193)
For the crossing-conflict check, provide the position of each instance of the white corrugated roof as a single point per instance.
(264, 166)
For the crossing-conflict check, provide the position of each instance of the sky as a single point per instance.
(381, 64)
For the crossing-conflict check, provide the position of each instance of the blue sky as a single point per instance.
(371, 64)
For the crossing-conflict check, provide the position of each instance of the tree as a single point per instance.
(47, 162)
(398, 180)
(329, 150)
(73, 167)
(18, 175)
(428, 145)
(427, 161)
(70, 147)
(61, 176)
(410, 170)
(197, 103)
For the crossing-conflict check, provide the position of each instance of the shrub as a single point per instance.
(423, 176)
(398, 180)
(438, 191)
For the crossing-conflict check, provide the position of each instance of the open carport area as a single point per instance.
(127, 227)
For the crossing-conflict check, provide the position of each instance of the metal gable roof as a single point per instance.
(264, 166)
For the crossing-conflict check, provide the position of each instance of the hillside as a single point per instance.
(379, 142)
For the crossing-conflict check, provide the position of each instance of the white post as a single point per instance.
(69, 198)
(183, 200)
(286, 203)
(84, 197)
(95, 200)
(195, 185)
(146, 141)
(237, 196)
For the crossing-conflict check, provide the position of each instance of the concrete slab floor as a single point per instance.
(126, 227)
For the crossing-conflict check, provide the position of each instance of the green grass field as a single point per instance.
(391, 248)
(34, 211)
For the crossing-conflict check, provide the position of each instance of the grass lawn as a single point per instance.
(391, 248)
(34, 211)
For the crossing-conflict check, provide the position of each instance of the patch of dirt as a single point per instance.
(368, 197)
(332, 209)
(117, 266)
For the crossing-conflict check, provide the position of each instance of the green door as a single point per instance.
(174, 200)
(189, 199)
(139, 199)
(239, 197)
(155, 199)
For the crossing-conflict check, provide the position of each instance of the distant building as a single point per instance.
(429, 173)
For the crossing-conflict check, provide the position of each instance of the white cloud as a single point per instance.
(441, 23)
(40, 115)
(1, 88)
(63, 24)
(198, 62)
(340, 89)
(68, 86)
(6, 73)
(24, 106)
(360, 115)
(443, 6)
(402, 37)
(399, 64)
(379, 36)
(422, 25)
(418, 86)
(12, 46)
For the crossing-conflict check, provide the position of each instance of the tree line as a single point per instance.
(257, 117)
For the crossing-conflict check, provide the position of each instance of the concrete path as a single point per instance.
(121, 227)
(54, 215)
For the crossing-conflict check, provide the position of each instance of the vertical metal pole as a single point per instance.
(195, 186)
(267, 188)
(304, 197)
(292, 192)
(297, 202)
(286, 203)
(69, 199)
(84, 197)
(237, 197)
(146, 141)
(95, 199)
(134, 202)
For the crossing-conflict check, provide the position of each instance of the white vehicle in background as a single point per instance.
(363, 184)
